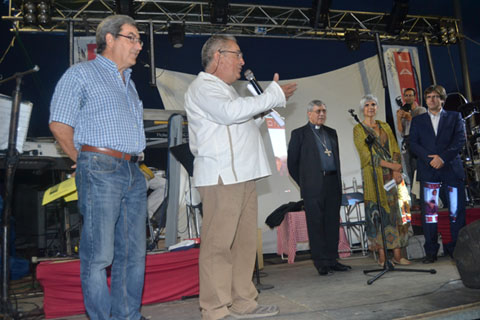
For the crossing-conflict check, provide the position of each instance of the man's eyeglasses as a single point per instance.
(132, 38)
(238, 53)
(319, 111)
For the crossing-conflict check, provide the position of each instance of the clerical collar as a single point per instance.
(314, 126)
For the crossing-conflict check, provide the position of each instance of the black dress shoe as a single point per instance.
(340, 267)
(325, 271)
(429, 259)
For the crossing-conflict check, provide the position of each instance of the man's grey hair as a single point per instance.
(314, 103)
(212, 45)
(365, 99)
(113, 25)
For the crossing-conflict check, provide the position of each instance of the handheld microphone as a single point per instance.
(255, 88)
(352, 113)
(252, 82)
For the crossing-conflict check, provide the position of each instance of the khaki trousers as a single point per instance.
(228, 248)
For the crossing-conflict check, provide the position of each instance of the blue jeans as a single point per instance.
(112, 198)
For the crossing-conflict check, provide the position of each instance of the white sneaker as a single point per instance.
(260, 311)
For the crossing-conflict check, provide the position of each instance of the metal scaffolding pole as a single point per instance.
(463, 52)
(433, 78)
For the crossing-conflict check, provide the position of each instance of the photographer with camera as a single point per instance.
(407, 111)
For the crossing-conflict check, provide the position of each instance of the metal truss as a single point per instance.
(249, 20)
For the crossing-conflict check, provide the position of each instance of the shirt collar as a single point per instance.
(111, 66)
(434, 115)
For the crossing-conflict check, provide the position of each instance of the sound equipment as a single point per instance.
(467, 255)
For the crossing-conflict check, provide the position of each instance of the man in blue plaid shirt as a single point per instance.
(97, 118)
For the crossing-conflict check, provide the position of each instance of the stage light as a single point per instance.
(124, 7)
(176, 34)
(219, 11)
(29, 13)
(37, 12)
(397, 16)
(319, 13)
(452, 35)
(446, 32)
(352, 40)
(43, 9)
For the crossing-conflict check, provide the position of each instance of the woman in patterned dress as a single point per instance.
(386, 157)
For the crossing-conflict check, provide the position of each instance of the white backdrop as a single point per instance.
(340, 89)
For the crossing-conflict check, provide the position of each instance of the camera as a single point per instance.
(405, 107)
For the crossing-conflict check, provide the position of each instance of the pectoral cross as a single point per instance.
(328, 152)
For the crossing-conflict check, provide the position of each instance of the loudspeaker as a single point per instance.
(467, 255)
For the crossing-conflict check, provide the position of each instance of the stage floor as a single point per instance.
(303, 295)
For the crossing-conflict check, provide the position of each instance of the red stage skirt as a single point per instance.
(444, 221)
(168, 276)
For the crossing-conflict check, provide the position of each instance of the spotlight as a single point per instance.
(124, 7)
(29, 13)
(176, 34)
(219, 11)
(397, 16)
(37, 12)
(352, 40)
(319, 13)
(446, 32)
(452, 35)
(43, 9)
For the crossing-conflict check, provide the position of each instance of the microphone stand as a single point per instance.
(11, 162)
(258, 285)
(387, 265)
(256, 90)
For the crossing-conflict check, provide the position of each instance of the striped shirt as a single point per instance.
(104, 110)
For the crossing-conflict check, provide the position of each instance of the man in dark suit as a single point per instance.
(314, 163)
(437, 137)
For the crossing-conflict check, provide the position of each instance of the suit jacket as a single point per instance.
(448, 143)
(304, 164)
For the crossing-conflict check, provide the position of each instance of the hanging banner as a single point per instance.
(403, 71)
(84, 49)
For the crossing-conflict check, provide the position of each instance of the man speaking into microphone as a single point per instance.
(229, 156)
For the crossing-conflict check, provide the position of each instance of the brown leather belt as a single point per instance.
(112, 153)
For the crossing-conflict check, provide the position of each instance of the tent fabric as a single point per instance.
(340, 89)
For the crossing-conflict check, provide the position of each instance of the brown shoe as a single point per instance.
(403, 261)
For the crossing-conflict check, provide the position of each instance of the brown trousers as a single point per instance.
(228, 248)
